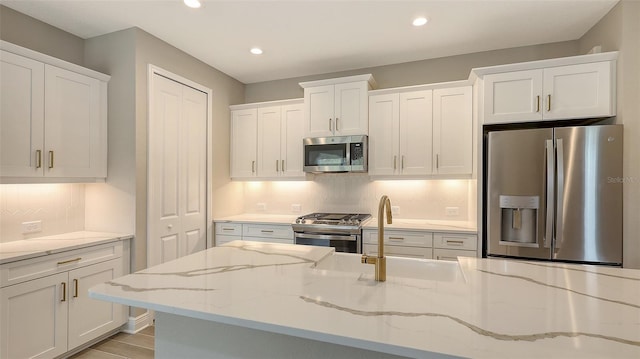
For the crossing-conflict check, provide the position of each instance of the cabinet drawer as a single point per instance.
(451, 254)
(229, 229)
(398, 251)
(467, 242)
(222, 239)
(269, 240)
(401, 238)
(20, 271)
(267, 231)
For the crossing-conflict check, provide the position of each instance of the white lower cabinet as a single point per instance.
(257, 232)
(421, 244)
(414, 244)
(51, 315)
(449, 246)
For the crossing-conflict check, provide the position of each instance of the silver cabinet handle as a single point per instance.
(396, 238)
(253, 166)
(402, 162)
(538, 103)
(266, 231)
(277, 168)
(282, 167)
(75, 285)
(337, 124)
(38, 158)
(50, 159)
(228, 229)
(330, 126)
(437, 161)
(64, 292)
(394, 162)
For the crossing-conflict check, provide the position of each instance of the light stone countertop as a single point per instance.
(37, 247)
(259, 218)
(496, 308)
(398, 223)
(425, 225)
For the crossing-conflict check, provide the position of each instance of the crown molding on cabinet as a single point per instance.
(245, 106)
(341, 80)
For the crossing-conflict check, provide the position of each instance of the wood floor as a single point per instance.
(121, 346)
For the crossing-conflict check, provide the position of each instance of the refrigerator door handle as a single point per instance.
(560, 192)
(550, 190)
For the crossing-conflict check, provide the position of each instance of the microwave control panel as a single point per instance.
(357, 153)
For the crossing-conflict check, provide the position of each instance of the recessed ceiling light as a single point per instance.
(192, 3)
(419, 21)
(256, 51)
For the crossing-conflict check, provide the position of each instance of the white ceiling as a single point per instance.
(305, 37)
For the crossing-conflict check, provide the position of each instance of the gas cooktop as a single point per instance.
(333, 219)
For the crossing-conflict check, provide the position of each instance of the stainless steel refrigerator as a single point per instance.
(554, 193)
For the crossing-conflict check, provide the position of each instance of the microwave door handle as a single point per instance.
(550, 190)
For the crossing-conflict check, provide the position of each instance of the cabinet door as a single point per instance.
(351, 104)
(452, 130)
(244, 133)
(513, 97)
(33, 319)
(21, 116)
(578, 91)
(319, 105)
(89, 318)
(384, 134)
(74, 132)
(292, 153)
(416, 120)
(269, 132)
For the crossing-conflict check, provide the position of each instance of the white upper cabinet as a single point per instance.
(21, 115)
(421, 133)
(384, 134)
(75, 134)
(580, 90)
(337, 107)
(266, 140)
(416, 129)
(244, 136)
(452, 130)
(53, 124)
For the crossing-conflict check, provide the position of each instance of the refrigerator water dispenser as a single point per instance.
(519, 220)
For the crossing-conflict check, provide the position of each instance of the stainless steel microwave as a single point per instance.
(335, 154)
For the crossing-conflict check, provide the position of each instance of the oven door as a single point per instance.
(342, 243)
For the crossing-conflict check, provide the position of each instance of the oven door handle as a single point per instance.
(326, 236)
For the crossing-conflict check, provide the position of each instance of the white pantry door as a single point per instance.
(177, 187)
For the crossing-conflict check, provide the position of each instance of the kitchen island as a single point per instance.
(259, 300)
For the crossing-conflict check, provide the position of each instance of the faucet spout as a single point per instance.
(380, 261)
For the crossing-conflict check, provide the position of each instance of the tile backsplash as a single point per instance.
(60, 207)
(416, 199)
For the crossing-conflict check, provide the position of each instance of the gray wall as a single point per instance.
(620, 30)
(36, 35)
(418, 72)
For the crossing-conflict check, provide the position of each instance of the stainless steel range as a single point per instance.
(343, 231)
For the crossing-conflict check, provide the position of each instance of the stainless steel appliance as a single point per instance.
(554, 193)
(335, 154)
(342, 231)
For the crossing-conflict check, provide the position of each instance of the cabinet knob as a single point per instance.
(169, 226)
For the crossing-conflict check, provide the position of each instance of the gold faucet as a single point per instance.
(380, 261)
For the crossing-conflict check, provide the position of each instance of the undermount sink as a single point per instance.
(397, 267)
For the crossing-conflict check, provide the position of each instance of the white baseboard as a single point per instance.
(136, 324)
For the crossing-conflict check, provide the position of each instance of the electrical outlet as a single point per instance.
(31, 227)
(451, 211)
(395, 210)
(296, 208)
(261, 207)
